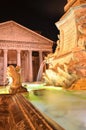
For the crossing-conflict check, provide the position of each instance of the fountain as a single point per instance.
(67, 69)
(67, 66)
(39, 76)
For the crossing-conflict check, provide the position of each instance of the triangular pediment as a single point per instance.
(13, 31)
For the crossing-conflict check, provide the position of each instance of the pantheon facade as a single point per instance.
(20, 46)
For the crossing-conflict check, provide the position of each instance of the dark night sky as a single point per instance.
(38, 15)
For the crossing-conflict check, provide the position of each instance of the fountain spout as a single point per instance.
(40, 72)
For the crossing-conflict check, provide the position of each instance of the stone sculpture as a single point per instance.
(67, 65)
(14, 79)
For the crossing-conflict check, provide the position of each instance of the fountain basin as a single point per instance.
(66, 107)
(16, 113)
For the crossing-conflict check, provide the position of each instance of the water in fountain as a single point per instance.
(40, 72)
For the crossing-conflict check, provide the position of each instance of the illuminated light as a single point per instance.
(34, 86)
(53, 88)
(38, 86)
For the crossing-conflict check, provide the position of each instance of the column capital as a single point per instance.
(5, 50)
(18, 50)
(29, 50)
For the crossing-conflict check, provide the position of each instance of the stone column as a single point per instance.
(30, 65)
(26, 66)
(5, 66)
(18, 58)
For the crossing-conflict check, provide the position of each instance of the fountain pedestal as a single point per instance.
(69, 60)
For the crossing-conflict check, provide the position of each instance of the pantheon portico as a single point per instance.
(22, 47)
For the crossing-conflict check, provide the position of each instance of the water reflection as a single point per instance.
(67, 108)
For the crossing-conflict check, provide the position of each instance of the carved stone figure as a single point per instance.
(66, 73)
(14, 79)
